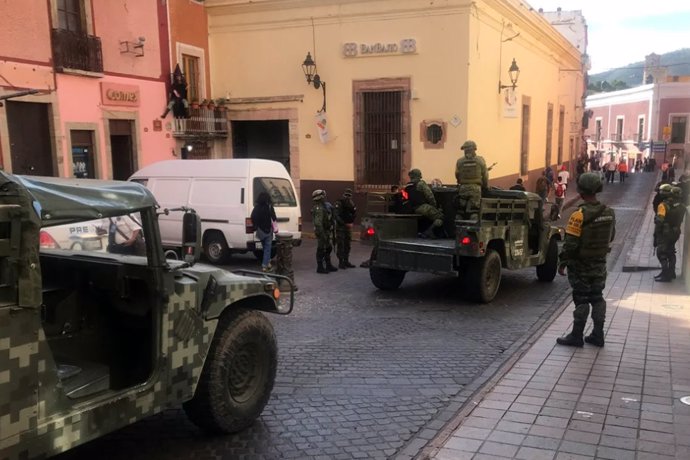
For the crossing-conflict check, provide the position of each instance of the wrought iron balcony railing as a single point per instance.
(76, 51)
(201, 123)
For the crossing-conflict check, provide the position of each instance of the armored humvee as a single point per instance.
(510, 232)
(91, 341)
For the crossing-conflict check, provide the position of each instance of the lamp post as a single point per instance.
(313, 78)
(514, 73)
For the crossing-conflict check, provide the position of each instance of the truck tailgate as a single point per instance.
(417, 255)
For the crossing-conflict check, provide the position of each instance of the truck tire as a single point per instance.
(484, 276)
(386, 279)
(216, 248)
(546, 272)
(238, 375)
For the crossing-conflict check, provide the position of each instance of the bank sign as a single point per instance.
(405, 46)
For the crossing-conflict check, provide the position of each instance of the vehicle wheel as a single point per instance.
(484, 276)
(386, 279)
(171, 254)
(76, 247)
(546, 272)
(215, 248)
(238, 375)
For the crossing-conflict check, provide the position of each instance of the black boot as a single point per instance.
(341, 264)
(320, 267)
(597, 335)
(329, 266)
(672, 266)
(348, 264)
(664, 275)
(574, 339)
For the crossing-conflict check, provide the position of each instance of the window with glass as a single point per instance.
(70, 15)
(280, 191)
(598, 130)
(679, 129)
(619, 129)
(640, 129)
(190, 67)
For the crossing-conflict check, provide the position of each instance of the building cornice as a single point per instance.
(624, 96)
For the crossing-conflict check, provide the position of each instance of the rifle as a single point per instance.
(491, 167)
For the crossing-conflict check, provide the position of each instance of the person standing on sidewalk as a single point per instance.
(345, 211)
(669, 216)
(622, 170)
(590, 230)
(323, 229)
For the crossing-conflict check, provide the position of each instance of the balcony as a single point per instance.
(202, 123)
(76, 51)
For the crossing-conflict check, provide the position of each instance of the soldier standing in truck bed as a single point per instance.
(472, 177)
(423, 203)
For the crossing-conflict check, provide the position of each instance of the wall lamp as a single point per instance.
(309, 68)
(514, 72)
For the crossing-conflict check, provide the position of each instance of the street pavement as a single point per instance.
(372, 374)
(618, 402)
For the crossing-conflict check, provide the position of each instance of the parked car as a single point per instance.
(91, 235)
(223, 192)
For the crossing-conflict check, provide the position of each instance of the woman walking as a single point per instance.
(263, 218)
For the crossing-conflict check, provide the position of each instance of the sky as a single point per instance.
(621, 32)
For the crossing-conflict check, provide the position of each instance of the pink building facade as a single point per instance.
(101, 70)
(648, 121)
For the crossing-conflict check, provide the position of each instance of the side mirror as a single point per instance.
(191, 237)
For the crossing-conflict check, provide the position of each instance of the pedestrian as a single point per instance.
(548, 173)
(322, 216)
(559, 193)
(472, 177)
(518, 185)
(622, 170)
(125, 236)
(264, 222)
(564, 175)
(541, 188)
(638, 165)
(345, 211)
(610, 170)
(590, 230)
(667, 222)
(423, 203)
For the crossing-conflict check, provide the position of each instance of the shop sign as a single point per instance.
(405, 46)
(117, 94)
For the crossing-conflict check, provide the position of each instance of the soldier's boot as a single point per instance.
(664, 271)
(574, 339)
(672, 266)
(597, 335)
(329, 266)
(348, 264)
(341, 263)
(320, 267)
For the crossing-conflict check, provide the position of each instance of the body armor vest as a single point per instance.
(470, 172)
(597, 228)
(675, 213)
(347, 210)
(414, 196)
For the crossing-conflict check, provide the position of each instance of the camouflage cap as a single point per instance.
(666, 189)
(415, 174)
(347, 192)
(589, 183)
(676, 191)
(469, 145)
(318, 194)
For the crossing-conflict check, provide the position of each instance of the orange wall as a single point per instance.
(189, 25)
(25, 30)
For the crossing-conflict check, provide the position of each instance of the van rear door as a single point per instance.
(221, 204)
(170, 193)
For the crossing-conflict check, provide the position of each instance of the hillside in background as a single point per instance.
(678, 63)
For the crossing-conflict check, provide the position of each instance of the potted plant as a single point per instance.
(220, 104)
(195, 103)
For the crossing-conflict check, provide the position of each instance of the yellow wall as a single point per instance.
(257, 50)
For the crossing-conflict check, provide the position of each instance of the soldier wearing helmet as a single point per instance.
(667, 221)
(473, 177)
(322, 216)
(423, 202)
(590, 230)
(345, 212)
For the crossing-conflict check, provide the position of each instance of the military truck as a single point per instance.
(510, 232)
(91, 341)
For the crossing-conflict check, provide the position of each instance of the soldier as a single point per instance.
(590, 230)
(423, 202)
(322, 217)
(345, 211)
(669, 217)
(472, 177)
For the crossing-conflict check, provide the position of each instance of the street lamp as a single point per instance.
(313, 78)
(514, 72)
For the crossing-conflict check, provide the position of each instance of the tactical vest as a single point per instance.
(414, 196)
(470, 171)
(597, 228)
(675, 212)
(347, 210)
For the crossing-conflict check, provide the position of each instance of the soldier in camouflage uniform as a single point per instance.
(423, 202)
(590, 230)
(345, 211)
(322, 216)
(667, 222)
(472, 177)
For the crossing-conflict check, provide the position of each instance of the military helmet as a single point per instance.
(318, 194)
(666, 189)
(589, 184)
(415, 174)
(469, 145)
(347, 192)
(676, 192)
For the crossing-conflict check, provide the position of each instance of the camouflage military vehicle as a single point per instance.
(510, 232)
(92, 341)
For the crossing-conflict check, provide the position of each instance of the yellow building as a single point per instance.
(406, 83)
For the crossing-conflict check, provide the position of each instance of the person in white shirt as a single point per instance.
(564, 175)
(124, 236)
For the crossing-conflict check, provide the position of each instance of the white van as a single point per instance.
(223, 193)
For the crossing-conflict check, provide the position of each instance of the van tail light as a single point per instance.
(370, 231)
(299, 224)
(47, 241)
(248, 225)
